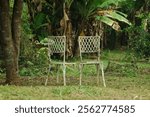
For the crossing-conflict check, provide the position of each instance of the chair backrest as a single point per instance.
(89, 44)
(57, 44)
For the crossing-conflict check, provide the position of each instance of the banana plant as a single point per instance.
(104, 11)
(111, 18)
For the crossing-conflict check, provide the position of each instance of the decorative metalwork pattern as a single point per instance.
(57, 44)
(89, 44)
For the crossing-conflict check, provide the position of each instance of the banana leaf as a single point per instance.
(115, 15)
(109, 22)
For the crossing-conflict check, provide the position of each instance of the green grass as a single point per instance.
(122, 83)
(117, 88)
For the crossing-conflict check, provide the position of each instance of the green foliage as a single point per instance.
(26, 72)
(89, 9)
(39, 25)
(86, 8)
(37, 65)
(119, 16)
(1, 71)
(11, 4)
(108, 3)
(128, 5)
(26, 47)
(39, 21)
(112, 18)
(29, 52)
(68, 3)
(33, 70)
(139, 42)
(25, 20)
(42, 56)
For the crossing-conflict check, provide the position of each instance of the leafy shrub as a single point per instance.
(27, 48)
(139, 42)
(36, 67)
(42, 56)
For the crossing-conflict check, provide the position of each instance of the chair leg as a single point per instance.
(80, 68)
(57, 78)
(103, 78)
(46, 80)
(64, 74)
(98, 73)
(48, 74)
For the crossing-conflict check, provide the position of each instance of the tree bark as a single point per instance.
(16, 29)
(10, 38)
(7, 42)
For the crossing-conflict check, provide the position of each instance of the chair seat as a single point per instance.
(90, 62)
(60, 63)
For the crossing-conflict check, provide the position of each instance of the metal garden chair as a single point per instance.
(57, 45)
(90, 45)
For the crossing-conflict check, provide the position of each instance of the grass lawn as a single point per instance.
(117, 88)
(122, 83)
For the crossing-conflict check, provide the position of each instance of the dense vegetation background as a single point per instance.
(24, 25)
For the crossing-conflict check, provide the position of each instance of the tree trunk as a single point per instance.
(16, 29)
(7, 42)
(2, 64)
(10, 38)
